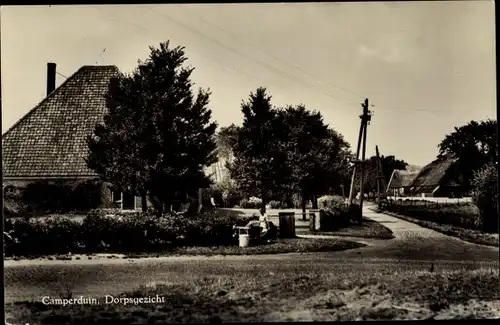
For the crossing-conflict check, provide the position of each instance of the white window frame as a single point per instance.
(121, 202)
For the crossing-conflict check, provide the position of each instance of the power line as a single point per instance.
(124, 20)
(358, 96)
(233, 35)
(267, 66)
(151, 33)
(409, 109)
(62, 75)
(263, 64)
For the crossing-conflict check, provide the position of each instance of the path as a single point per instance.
(415, 242)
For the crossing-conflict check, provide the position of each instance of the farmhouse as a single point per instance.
(440, 178)
(49, 144)
(399, 182)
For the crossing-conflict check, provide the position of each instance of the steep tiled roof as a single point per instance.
(401, 178)
(50, 141)
(433, 174)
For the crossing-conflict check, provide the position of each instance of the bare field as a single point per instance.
(233, 294)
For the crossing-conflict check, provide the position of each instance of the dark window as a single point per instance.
(116, 195)
(128, 202)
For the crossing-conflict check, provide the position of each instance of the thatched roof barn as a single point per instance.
(440, 178)
(401, 179)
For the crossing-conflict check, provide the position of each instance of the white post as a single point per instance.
(200, 199)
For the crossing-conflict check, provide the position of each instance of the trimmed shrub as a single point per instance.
(34, 237)
(336, 211)
(255, 200)
(276, 205)
(252, 203)
(330, 202)
(121, 232)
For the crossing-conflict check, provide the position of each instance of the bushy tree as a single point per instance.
(258, 161)
(284, 152)
(316, 155)
(474, 144)
(157, 135)
(485, 196)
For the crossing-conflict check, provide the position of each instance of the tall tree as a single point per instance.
(315, 153)
(157, 136)
(258, 161)
(474, 144)
(342, 157)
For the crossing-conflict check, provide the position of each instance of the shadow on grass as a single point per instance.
(368, 229)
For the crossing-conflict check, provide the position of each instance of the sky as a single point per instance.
(426, 67)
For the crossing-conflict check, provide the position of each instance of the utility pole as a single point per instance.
(365, 119)
(380, 177)
(356, 162)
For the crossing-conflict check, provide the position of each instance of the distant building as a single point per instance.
(399, 182)
(50, 141)
(440, 178)
(217, 171)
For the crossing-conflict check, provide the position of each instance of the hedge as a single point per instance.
(120, 233)
(459, 215)
(337, 211)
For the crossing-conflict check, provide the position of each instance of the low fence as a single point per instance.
(429, 204)
(432, 199)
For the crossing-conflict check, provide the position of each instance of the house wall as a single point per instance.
(396, 192)
(449, 191)
(106, 197)
(43, 196)
(105, 200)
(138, 203)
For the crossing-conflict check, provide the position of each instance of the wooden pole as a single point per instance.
(382, 179)
(378, 180)
(353, 179)
(361, 181)
(380, 176)
(200, 200)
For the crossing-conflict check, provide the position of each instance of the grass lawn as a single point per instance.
(368, 229)
(469, 235)
(312, 293)
(280, 246)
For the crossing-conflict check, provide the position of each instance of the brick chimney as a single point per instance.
(51, 77)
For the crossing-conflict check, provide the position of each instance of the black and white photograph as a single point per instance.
(249, 162)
